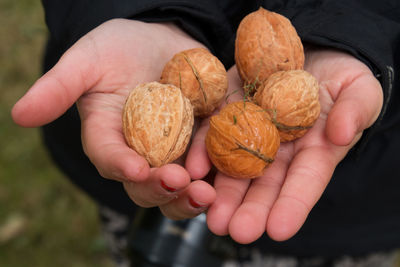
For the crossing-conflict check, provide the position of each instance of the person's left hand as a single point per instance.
(279, 201)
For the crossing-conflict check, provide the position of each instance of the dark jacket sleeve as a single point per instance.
(367, 29)
(206, 20)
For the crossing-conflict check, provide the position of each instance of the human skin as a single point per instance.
(97, 74)
(279, 201)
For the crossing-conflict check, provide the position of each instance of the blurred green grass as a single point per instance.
(44, 220)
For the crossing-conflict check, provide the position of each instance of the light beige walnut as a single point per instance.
(292, 100)
(157, 122)
(266, 42)
(201, 77)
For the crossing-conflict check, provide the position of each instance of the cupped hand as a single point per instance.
(97, 73)
(279, 201)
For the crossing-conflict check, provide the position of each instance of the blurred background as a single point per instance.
(44, 220)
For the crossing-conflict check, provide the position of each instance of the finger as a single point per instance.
(355, 109)
(230, 194)
(163, 185)
(59, 88)
(197, 162)
(105, 146)
(307, 178)
(195, 199)
(249, 221)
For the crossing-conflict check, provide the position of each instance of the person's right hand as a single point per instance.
(98, 72)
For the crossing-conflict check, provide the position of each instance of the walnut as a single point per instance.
(266, 42)
(201, 77)
(242, 141)
(157, 122)
(292, 100)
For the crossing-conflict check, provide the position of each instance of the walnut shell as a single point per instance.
(157, 122)
(292, 100)
(266, 42)
(242, 141)
(201, 77)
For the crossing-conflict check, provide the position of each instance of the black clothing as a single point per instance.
(359, 211)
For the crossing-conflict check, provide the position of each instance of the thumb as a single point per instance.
(59, 88)
(356, 108)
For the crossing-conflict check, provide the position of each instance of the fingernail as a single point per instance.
(196, 204)
(168, 188)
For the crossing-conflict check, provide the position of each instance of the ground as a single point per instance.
(44, 220)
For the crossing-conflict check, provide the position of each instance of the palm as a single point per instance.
(98, 72)
(118, 68)
(280, 200)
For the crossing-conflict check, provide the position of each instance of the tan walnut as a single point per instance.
(157, 122)
(201, 77)
(242, 141)
(292, 100)
(266, 42)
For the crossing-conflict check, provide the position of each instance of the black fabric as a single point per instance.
(359, 212)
